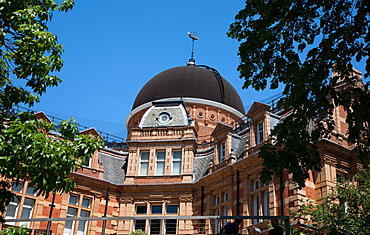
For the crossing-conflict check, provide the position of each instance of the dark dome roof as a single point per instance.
(188, 81)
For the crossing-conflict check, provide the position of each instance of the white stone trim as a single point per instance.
(186, 100)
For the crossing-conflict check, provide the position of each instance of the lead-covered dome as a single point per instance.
(189, 81)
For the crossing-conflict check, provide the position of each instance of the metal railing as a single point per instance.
(200, 222)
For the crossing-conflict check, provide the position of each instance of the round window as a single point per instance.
(164, 118)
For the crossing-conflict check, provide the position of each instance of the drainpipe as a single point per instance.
(105, 212)
(52, 205)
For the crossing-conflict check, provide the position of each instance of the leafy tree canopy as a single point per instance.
(296, 45)
(29, 57)
(346, 210)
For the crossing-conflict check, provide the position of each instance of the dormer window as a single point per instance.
(259, 133)
(222, 151)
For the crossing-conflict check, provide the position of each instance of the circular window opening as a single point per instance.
(164, 118)
(200, 114)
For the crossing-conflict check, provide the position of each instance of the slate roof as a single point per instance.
(114, 167)
(201, 163)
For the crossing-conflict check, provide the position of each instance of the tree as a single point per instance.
(296, 45)
(138, 232)
(29, 57)
(346, 210)
(15, 231)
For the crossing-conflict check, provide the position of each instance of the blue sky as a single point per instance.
(113, 47)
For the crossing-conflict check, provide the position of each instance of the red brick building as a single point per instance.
(192, 150)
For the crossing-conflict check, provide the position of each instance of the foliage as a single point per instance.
(29, 57)
(15, 231)
(138, 232)
(295, 44)
(345, 210)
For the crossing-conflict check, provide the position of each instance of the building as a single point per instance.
(191, 150)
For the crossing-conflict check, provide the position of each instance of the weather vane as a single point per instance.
(193, 35)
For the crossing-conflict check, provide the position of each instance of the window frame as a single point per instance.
(157, 206)
(176, 161)
(143, 206)
(259, 132)
(160, 162)
(222, 151)
(144, 163)
(172, 205)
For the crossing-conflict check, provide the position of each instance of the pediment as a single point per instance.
(257, 108)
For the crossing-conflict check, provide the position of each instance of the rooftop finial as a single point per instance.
(193, 35)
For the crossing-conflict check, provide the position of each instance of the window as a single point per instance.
(68, 228)
(31, 191)
(28, 204)
(224, 221)
(225, 197)
(144, 163)
(176, 162)
(82, 224)
(155, 226)
(86, 202)
(255, 184)
(340, 177)
(17, 187)
(255, 208)
(259, 133)
(141, 209)
(78, 207)
(266, 203)
(73, 199)
(87, 162)
(172, 209)
(222, 151)
(12, 210)
(160, 162)
(170, 226)
(164, 118)
(217, 200)
(157, 209)
(140, 224)
(217, 223)
(25, 197)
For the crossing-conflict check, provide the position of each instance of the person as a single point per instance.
(277, 229)
(232, 228)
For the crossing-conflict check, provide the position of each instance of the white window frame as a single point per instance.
(70, 231)
(84, 228)
(160, 162)
(175, 161)
(217, 199)
(256, 207)
(222, 151)
(87, 162)
(144, 163)
(259, 132)
(29, 215)
(13, 204)
(217, 222)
